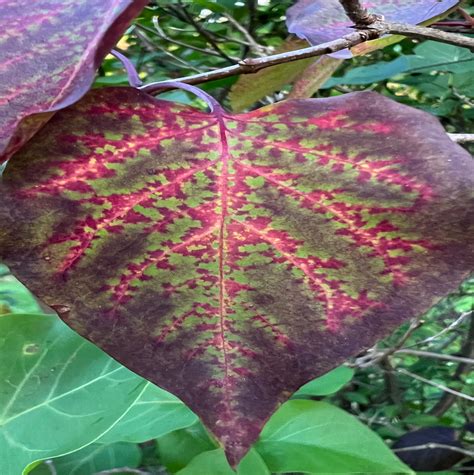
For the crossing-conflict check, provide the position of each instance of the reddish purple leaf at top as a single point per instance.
(232, 258)
(49, 52)
(319, 21)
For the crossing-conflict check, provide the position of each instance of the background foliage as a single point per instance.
(68, 403)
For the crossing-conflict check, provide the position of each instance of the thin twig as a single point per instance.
(438, 356)
(391, 382)
(358, 14)
(152, 47)
(462, 138)
(253, 45)
(450, 327)
(252, 9)
(252, 65)
(455, 29)
(467, 351)
(363, 19)
(375, 30)
(436, 385)
(204, 33)
(424, 33)
(160, 33)
(465, 14)
(373, 356)
(433, 445)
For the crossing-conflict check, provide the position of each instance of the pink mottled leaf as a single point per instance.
(232, 258)
(49, 52)
(319, 21)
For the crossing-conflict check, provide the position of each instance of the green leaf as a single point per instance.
(315, 437)
(464, 304)
(429, 55)
(14, 296)
(231, 259)
(177, 449)
(59, 392)
(96, 457)
(214, 462)
(251, 88)
(154, 414)
(327, 384)
(208, 462)
(253, 464)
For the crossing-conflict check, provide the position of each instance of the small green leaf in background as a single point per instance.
(327, 384)
(251, 88)
(428, 55)
(95, 458)
(311, 436)
(155, 413)
(177, 449)
(15, 297)
(214, 462)
(59, 392)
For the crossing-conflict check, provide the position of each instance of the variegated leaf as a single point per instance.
(49, 50)
(232, 258)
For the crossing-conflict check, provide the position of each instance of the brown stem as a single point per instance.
(375, 30)
(357, 13)
(433, 445)
(436, 385)
(391, 382)
(252, 65)
(421, 32)
(467, 351)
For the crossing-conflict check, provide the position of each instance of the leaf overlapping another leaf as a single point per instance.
(48, 57)
(319, 21)
(232, 258)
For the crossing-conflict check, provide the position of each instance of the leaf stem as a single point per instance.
(166, 85)
(133, 77)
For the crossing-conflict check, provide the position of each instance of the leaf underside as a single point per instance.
(319, 21)
(48, 56)
(232, 258)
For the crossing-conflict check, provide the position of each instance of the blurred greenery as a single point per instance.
(52, 374)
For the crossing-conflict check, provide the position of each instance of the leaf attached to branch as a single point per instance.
(232, 258)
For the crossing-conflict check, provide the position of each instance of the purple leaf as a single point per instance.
(319, 21)
(49, 52)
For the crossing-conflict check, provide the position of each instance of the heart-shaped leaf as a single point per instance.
(319, 21)
(48, 56)
(232, 258)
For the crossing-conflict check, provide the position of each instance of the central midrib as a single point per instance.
(223, 192)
